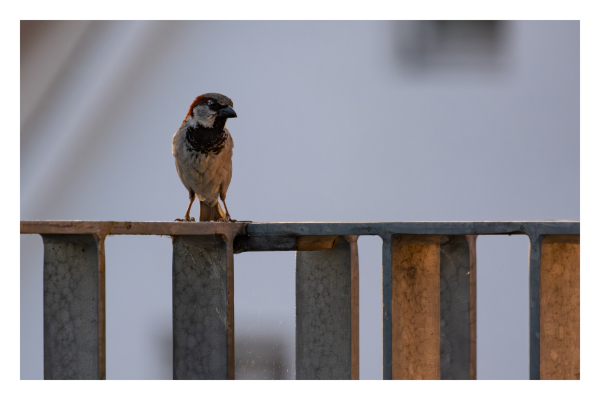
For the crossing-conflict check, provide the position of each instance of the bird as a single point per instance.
(203, 148)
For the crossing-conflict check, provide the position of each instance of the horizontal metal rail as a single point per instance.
(302, 228)
(429, 295)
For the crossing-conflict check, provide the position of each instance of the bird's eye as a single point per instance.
(211, 102)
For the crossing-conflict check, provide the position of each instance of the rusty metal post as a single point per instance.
(457, 300)
(415, 306)
(327, 312)
(74, 305)
(559, 307)
(203, 307)
(354, 307)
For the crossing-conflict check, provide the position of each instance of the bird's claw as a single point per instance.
(227, 219)
(186, 219)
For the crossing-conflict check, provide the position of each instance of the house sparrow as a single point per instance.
(203, 147)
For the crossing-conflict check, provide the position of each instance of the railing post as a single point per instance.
(203, 307)
(74, 306)
(458, 308)
(559, 307)
(416, 306)
(327, 312)
(535, 255)
(472, 239)
(426, 331)
(354, 307)
(386, 277)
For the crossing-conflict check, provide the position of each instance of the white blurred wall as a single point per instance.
(334, 124)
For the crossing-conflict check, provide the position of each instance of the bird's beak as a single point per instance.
(227, 112)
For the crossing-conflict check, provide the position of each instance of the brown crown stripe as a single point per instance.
(203, 99)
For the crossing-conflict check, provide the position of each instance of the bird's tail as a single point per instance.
(208, 213)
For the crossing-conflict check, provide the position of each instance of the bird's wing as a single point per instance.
(227, 169)
(183, 163)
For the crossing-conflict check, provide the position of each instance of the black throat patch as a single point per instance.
(207, 140)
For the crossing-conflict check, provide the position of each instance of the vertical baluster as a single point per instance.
(202, 307)
(472, 239)
(324, 312)
(386, 277)
(74, 304)
(354, 307)
(559, 307)
(416, 307)
(535, 253)
(457, 319)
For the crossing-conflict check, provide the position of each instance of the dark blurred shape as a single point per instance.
(260, 357)
(426, 45)
(31, 30)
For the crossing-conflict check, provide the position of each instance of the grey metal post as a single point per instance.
(323, 313)
(455, 304)
(200, 313)
(387, 305)
(74, 321)
(535, 259)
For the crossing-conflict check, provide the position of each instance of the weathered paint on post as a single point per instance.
(244, 243)
(230, 310)
(386, 278)
(74, 320)
(535, 253)
(416, 307)
(281, 229)
(455, 307)
(200, 307)
(472, 239)
(285, 236)
(323, 313)
(413, 228)
(559, 307)
(354, 306)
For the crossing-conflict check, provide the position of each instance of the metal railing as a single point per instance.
(429, 295)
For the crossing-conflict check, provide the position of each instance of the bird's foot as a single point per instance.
(186, 219)
(227, 219)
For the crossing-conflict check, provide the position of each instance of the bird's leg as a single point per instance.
(227, 216)
(187, 214)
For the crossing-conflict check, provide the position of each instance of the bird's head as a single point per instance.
(210, 108)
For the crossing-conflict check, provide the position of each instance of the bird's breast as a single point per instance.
(203, 160)
(205, 140)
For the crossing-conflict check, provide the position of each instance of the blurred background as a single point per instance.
(337, 121)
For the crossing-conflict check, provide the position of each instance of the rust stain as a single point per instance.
(559, 308)
(314, 243)
(100, 238)
(472, 239)
(416, 307)
(354, 308)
